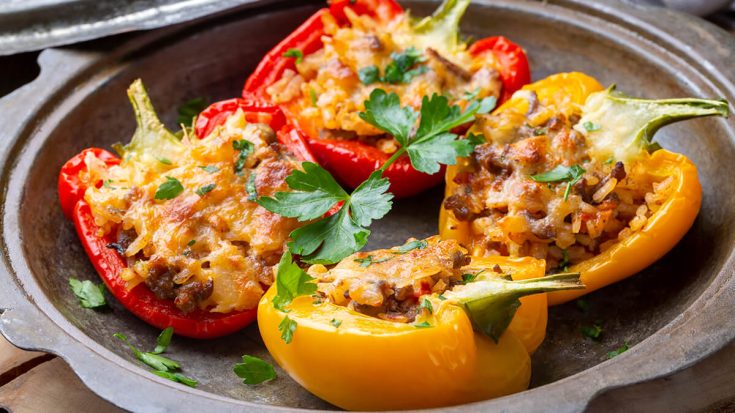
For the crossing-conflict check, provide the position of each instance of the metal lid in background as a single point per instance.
(27, 25)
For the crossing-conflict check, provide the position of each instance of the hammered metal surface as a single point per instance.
(89, 108)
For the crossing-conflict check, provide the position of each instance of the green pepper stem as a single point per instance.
(151, 139)
(441, 29)
(621, 126)
(491, 302)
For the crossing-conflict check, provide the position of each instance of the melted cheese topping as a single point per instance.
(511, 214)
(219, 235)
(326, 94)
(386, 283)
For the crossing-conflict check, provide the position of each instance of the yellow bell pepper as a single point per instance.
(625, 128)
(459, 352)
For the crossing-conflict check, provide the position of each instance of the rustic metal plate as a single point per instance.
(674, 314)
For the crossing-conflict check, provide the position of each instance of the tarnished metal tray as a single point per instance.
(674, 314)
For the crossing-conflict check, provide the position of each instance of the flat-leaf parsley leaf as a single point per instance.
(287, 327)
(254, 370)
(169, 189)
(314, 193)
(569, 174)
(90, 295)
(329, 239)
(291, 282)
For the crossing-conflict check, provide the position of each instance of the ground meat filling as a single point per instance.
(214, 250)
(512, 214)
(388, 284)
(326, 93)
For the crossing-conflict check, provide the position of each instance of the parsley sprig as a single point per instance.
(315, 192)
(424, 136)
(162, 366)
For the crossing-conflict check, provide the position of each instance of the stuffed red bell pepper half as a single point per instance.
(172, 227)
(321, 74)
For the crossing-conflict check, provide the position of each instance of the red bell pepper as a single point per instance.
(352, 161)
(140, 300)
(255, 111)
(71, 189)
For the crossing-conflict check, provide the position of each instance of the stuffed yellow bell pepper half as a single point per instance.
(416, 326)
(569, 174)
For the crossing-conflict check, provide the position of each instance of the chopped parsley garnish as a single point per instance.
(245, 148)
(189, 110)
(177, 377)
(169, 189)
(426, 305)
(107, 183)
(254, 370)
(367, 261)
(468, 278)
(210, 168)
(369, 75)
(428, 143)
(163, 340)
(594, 331)
(591, 127)
(569, 174)
(287, 327)
(162, 366)
(336, 323)
(401, 69)
(90, 295)
(295, 53)
(609, 161)
(412, 245)
(203, 190)
(164, 160)
(312, 95)
(251, 188)
(618, 351)
(423, 324)
(291, 282)
(190, 243)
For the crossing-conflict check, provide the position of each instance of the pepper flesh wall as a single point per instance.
(438, 328)
(570, 174)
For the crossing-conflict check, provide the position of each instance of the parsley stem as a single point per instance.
(392, 159)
